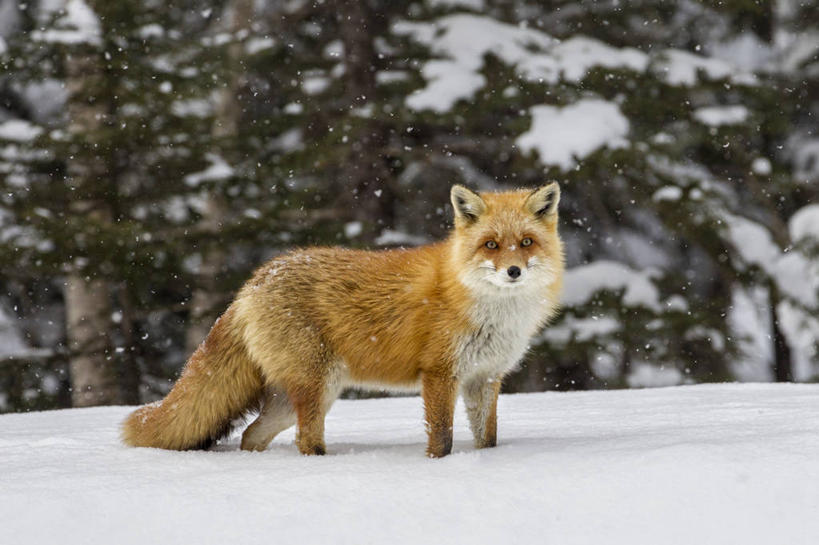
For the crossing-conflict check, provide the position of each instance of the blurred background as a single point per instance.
(153, 153)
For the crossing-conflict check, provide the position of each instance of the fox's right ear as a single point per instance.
(542, 202)
(468, 205)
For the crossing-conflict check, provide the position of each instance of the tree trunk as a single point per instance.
(93, 375)
(88, 308)
(207, 299)
(365, 175)
(782, 364)
(129, 375)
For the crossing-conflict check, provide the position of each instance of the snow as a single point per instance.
(796, 49)
(193, 107)
(293, 108)
(679, 67)
(562, 135)
(580, 284)
(795, 273)
(9, 20)
(716, 116)
(752, 242)
(353, 228)
(288, 141)
(390, 237)
(463, 40)
(745, 51)
(580, 329)
(257, 44)
(152, 30)
(334, 49)
(314, 85)
(806, 159)
(667, 193)
(694, 464)
(218, 170)
(385, 77)
(577, 55)
(761, 166)
(19, 130)
(647, 375)
(477, 5)
(11, 339)
(79, 25)
(749, 319)
(448, 83)
(805, 223)
(801, 329)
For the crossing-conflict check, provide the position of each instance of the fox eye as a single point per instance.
(491, 244)
(526, 242)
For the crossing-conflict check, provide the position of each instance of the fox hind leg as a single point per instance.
(277, 415)
(481, 399)
(312, 401)
(308, 400)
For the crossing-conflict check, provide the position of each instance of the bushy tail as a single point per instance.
(218, 384)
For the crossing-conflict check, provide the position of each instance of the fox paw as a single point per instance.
(313, 450)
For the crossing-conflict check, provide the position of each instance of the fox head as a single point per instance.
(507, 242)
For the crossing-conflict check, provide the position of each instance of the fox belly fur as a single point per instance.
(448, 318)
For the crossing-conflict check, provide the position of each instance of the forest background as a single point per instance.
(153, 153)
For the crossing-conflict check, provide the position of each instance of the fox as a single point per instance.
(452, 317)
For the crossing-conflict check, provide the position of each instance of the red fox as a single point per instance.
(450, 317)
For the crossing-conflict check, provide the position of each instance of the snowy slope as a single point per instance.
(697, 464)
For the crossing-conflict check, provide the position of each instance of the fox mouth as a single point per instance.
(508, 283)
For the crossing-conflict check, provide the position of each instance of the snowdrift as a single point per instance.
(694, 465)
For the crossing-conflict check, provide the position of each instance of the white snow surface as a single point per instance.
(561, 136)
(693, 464)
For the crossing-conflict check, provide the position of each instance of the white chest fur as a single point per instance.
(503, 326)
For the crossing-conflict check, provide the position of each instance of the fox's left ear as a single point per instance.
(542, 202)
(467, 204)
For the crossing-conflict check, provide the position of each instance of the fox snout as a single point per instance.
(505, 274)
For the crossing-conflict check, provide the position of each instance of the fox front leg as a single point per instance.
(481, 400)
(439, 391)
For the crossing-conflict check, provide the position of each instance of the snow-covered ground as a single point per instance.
(695, 465)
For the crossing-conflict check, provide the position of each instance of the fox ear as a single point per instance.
(542, 202)
(468, 205)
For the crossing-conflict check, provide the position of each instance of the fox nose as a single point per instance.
(513, 271)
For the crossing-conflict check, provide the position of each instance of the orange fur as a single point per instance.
(311, 322)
